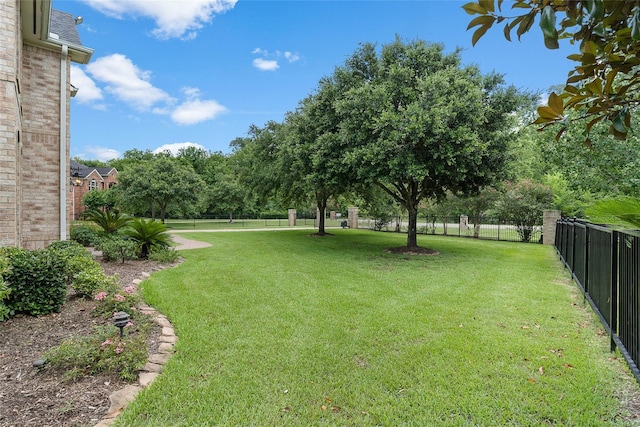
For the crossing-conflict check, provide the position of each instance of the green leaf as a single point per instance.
(634, 24)
(618, 122)
(547, 113)
(521, 5)
(487, 5)
(525, 24)
(555, 104)
(479, 33)
(507, 32)
(548, 22)
(610, 78)
(474, 8)
(481, 20)
(551, 42)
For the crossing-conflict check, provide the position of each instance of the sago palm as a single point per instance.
(148, 234)
(109, 220)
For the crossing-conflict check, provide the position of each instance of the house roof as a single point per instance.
(51, 29)
(82, 171)
(63, 24)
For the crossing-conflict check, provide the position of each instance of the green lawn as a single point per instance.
(285, 329)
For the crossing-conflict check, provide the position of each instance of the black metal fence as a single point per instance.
(489, 229)
(605, 264)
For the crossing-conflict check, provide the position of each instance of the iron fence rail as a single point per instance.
(489, 229)
(605, 264)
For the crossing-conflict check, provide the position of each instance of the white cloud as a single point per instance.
(99, 153)
(87, 89)
(265, 64)
(126, 81)
(173, 18)
(195, 111)
(174, 148)
(291, 57)
(269, 61)
(129, 84)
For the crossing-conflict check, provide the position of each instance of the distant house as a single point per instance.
(37, 46)
(85, 179)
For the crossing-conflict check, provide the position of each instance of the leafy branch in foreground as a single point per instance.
(621, 211)
(604, 84)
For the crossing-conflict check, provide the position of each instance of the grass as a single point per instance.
(284, 329)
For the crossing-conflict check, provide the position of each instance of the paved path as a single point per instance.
(184, 244)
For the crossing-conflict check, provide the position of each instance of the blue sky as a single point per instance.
(169, 73)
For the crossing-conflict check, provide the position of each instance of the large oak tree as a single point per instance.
(417, 123)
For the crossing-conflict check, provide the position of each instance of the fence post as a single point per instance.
(614, 288)
(549, 220)
(352, 217)
(292, 217)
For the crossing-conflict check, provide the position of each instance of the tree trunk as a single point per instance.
(412, 230)
(322, 207)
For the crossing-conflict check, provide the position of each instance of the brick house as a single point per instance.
(85, 179)
(37, 46)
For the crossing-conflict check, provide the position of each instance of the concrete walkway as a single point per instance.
(185, 244)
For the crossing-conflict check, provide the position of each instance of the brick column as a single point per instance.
(352, 218)
(549, 219)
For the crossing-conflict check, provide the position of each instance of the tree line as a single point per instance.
(400, 127)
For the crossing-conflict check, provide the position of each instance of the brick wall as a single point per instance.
(10, 54)
(41, 147)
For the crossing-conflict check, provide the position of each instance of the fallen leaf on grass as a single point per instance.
(541, 370)
(531, 380)
(568, 365)
(336, 408)
(286, 409)
(323, 407)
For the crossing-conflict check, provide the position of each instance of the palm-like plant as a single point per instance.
(148, 234)
(109, 220)
(621, 211)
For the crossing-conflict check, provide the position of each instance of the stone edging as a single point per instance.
(149, 372)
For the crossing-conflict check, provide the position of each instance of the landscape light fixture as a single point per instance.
(120, 319)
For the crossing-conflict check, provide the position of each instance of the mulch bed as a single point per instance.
(32, 397)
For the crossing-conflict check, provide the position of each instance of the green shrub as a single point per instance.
(164, 255)
(4, 288)
(117, 249)
(85, 235)
(37, 280)
(148, 235)
(88, 277)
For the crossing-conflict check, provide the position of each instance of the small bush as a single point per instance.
(103, 351)
(111, 299)
(85, 235)
(88, 277)
(37, 280)
(117, 249)
(4, 288)
(164, 255)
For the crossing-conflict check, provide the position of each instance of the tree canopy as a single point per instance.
(418, 124)
(603, 86)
